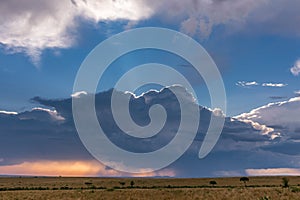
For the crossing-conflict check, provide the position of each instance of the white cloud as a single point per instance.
(52, 113)
(78, 94)
(297, 92)
(296, 68)
(8, 112)
(273, 172)
(216, 112)
(246, 84)
(32, 26)
(114, 10)
(264, 130)
(274, 85)
(284, 114)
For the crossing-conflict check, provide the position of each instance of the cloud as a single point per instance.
(246, 84)
(277, 97)
(57, 168)
(281, 114)
(33, 142)
(296, 68)
(78, 94)
(77, 168)
(273, 172)
(254, 83)
(200, 17)
(274, 85)
(113, 10)
(265, 130)
(228, 173)
(8, 112)
(297, 93)
(53, 113)
(31, 26)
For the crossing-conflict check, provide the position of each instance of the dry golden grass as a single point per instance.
(260, 188)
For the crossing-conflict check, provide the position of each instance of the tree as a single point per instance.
(285, 182)
(244, 179)
(131, 183)
(122, 183)
(213, 182)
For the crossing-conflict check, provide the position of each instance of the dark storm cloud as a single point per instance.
(49, 134)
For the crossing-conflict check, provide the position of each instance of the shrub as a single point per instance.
(244, 179)
(213, 182)
(131, 183)
(122, 183)
(285, 182)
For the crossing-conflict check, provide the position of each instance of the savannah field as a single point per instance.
(260, 188)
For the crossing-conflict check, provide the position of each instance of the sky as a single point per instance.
(255, 45)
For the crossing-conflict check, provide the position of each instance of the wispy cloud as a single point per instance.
(274, 85)
(53, 113)
(296, 68)
(246, 84)
(277, 97)
(77, 95)
(8, 112)
(297, 93)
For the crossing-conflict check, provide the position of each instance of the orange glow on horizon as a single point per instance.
(70, 169)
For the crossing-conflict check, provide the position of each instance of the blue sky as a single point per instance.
(241, 52)
(255, 44)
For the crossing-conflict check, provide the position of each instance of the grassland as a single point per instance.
(260, 188)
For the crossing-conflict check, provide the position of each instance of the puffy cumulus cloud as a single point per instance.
(32, 26)
(113, 10)
(273, 172)
(283, 114)
(274, 85)
(295, 70)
